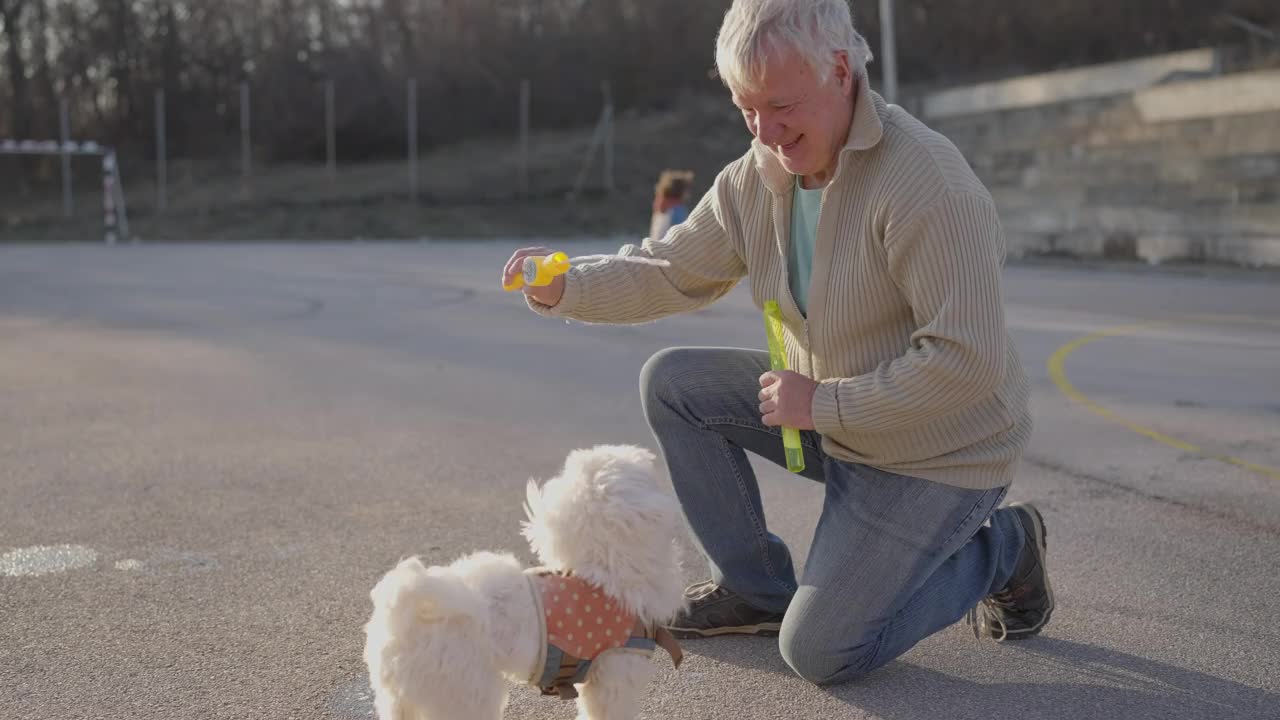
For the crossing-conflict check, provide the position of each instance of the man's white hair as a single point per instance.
(816, 29)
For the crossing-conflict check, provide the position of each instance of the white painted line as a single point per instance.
(46, 559)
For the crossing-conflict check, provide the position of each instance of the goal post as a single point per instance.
(115, 220)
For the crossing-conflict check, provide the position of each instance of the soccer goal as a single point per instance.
(115, 221)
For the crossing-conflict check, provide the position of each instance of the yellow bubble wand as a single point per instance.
(778, 361)
(540, 270)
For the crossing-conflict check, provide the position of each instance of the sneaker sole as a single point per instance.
(1042, 543)
(760, 630)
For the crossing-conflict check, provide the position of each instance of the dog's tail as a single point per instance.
(429, 635)
(413, 593)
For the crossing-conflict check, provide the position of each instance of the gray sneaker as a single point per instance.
(1023, 607)
(712, 610)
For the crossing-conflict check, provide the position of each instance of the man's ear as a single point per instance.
(843, 72)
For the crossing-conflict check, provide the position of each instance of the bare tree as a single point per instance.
(11, 12)
(106, 57)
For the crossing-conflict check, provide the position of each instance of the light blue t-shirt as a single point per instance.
(805, 208)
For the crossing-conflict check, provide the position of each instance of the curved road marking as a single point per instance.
(1057, 371)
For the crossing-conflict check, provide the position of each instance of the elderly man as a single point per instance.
(884, 251)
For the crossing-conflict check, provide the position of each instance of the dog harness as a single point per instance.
(581, 623)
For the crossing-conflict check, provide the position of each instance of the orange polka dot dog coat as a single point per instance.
(581, 622)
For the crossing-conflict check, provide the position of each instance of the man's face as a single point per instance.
(803, 121)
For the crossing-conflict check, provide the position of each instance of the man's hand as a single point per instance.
(548, 294)
(786, 398)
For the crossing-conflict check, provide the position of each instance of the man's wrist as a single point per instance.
(825, 406)
(570, 293)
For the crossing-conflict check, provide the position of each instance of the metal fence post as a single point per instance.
(888, 46)
(108, 199)
(64, 116)
(412, 125)
(162, 156)
(525, 99)
(330, 131)
(246, 155)
(608, 136)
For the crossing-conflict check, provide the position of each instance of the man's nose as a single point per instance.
(770, 133)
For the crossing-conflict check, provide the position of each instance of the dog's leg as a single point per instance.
(615, 686)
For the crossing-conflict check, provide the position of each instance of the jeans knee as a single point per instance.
(820, 657)
(662, 377)
(656, 374)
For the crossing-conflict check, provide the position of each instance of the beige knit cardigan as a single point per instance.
(906, 329)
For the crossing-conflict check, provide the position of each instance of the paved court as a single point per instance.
(208, 454)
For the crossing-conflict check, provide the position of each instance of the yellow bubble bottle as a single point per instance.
(539, 271)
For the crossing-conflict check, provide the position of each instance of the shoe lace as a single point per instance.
(715, 594)
(986, 616)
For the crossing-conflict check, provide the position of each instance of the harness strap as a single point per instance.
(646, 637)
(564, 670)
(667, 642)
(561, 673)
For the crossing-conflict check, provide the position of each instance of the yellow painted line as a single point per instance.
(1057, 371)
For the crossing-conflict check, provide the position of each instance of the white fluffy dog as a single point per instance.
(443, 641)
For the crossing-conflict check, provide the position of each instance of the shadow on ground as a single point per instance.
(1089, 682)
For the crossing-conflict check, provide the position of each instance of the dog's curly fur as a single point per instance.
(443, 641)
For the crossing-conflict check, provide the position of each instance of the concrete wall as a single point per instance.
(1146, 160)
(1064, 85)
(1240, 94)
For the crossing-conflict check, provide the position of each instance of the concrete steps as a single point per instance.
(1095, 176)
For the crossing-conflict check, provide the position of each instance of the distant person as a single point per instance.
(670, 201)
(884, 251)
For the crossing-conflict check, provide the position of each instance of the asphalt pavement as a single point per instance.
(209, 454)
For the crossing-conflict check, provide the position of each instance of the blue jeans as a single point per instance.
(894, 559)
